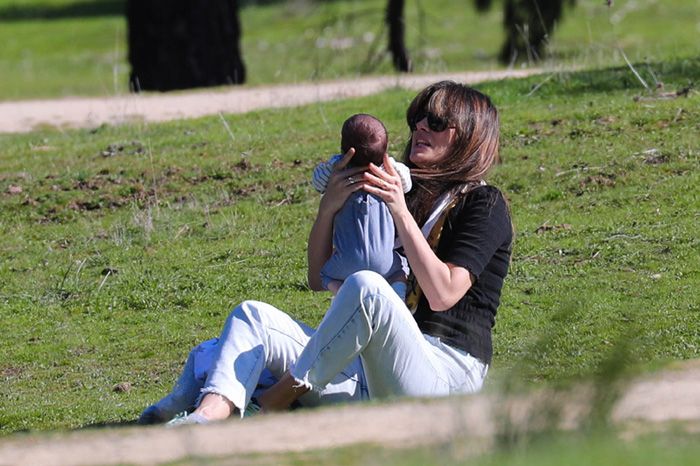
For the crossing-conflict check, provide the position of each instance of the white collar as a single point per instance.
(440, 206)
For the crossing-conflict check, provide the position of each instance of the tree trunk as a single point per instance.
(482, 5)
(397, 46)
(181, 44)
(528, 24)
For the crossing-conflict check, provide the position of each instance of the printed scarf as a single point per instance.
(414, 292)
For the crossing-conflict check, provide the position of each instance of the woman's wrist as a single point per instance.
(326, 210)
(403, 218)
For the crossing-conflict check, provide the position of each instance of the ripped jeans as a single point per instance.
(367, 346)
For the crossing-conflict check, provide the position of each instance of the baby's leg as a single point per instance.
(400, 288)
(398, 283)
(331, 270)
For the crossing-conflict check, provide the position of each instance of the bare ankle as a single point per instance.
(281, 395)
(215, 407)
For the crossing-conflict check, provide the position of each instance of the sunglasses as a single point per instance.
(435, 123)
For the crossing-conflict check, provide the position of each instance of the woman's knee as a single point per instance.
(248, 314)
(366, 280)
(248, 310)
(371, 291)
(259, 316)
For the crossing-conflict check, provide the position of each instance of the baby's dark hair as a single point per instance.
(368, 136)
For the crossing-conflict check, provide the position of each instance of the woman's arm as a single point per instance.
(443, 284)
(320, 246)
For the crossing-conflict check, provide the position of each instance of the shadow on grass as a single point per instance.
(110, 425)
(85, 9)
(80, 9)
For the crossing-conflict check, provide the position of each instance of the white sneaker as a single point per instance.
(184, 419)
(252, 409)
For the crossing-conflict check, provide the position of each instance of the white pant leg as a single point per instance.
(182, 397)
(367, 318)
(258, 336)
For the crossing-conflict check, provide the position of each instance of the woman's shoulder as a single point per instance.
(481, 217)
(484, 207)
(484, 193)
(484, 201)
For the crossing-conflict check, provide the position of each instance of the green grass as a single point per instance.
(54, 48)
(568, 449)
(128, 245)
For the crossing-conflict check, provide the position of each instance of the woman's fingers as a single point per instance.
(388, 166)
(376, 179)
(387, 176)
(349, 176)
(341, 184)
(382, 184)
(385, 193)
(342, 163)
(385, 184)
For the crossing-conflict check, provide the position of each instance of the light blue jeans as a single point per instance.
(367, 346)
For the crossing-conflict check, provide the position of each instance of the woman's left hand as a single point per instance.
(386, 184)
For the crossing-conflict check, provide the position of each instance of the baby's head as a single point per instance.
(368, 136)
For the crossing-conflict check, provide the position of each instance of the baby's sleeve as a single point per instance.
(322, 173)
(404, 173)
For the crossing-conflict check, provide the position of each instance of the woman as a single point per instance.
(369, 344)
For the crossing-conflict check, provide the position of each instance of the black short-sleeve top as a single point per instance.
(478, 236)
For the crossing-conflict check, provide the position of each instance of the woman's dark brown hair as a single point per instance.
(472, 153)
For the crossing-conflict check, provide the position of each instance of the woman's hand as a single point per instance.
(386, 184)
(342, 182)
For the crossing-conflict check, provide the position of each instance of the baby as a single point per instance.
(363, 230)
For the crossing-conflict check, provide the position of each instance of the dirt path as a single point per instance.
(86, 112)
(647, 404)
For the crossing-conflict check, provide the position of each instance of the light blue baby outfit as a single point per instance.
(363, 231)
(363, 239)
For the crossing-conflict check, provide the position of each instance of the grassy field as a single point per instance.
(66, 47)
(124, 246)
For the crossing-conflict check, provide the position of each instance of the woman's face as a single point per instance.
(429, 146)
